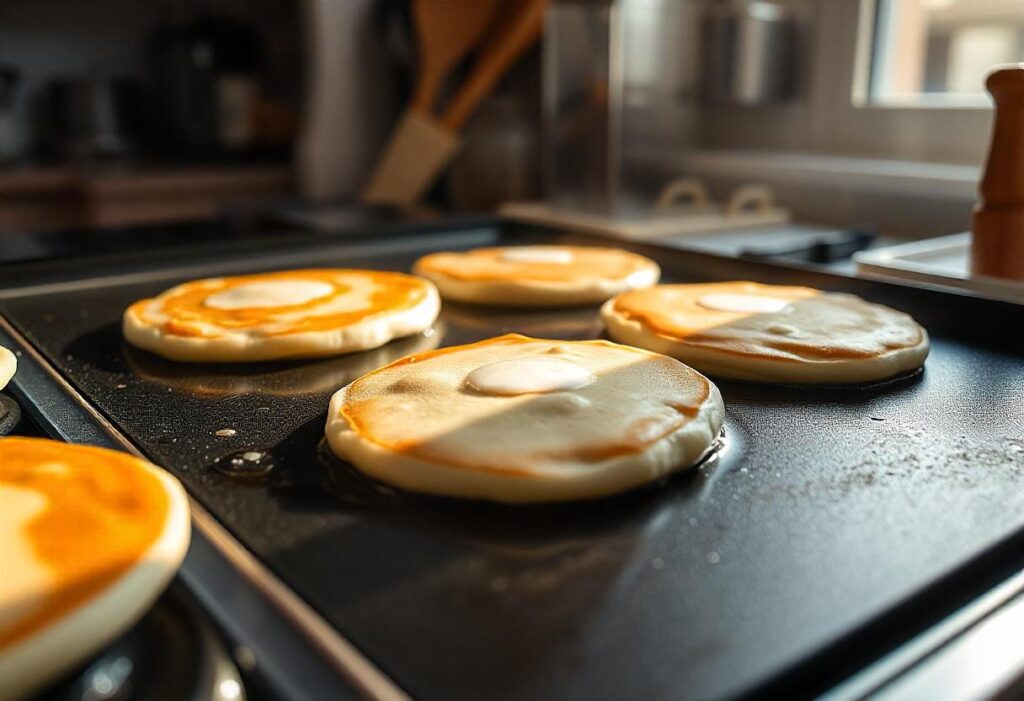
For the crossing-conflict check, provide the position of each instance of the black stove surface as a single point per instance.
(10, 415)
(838, 521)
(172, 654)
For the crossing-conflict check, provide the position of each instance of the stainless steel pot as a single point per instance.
(749, 52)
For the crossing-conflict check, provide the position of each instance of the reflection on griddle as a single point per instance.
(509, 527)
(579, 323)
(284, 378)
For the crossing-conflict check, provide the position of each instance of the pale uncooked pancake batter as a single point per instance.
(537, 275)
(515, 419)
(8, 364)
(88, 539)
(770, 333)
(290, 314)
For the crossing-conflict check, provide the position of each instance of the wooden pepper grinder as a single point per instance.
(997, 241)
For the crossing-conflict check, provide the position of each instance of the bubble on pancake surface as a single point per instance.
(535, 375)
(752, 303)
(269, 293)
(537, 254)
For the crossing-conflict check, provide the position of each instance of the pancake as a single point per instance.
(279, 379)
(515, 419)
(288, 314)
(537, 275)
(769, 333)
(90, 537)
(8, 364)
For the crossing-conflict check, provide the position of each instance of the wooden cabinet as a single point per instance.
(43, 199)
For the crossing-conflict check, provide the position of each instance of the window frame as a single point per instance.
(853, 123)
(868, 29)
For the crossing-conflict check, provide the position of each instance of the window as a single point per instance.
(938, 52)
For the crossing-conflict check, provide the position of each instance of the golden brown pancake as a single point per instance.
(90, 538)
(289, 314)
(537, 275)
(770, 333)
(517, 419)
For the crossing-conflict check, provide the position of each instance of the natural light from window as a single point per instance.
(938, 52)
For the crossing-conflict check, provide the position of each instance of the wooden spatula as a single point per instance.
(422, 146)
(446, 30)
(518, 26)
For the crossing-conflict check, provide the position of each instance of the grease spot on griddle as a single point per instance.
(245, 465)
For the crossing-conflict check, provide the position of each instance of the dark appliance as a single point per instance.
(204, 87)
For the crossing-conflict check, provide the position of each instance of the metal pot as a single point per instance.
(748, 52)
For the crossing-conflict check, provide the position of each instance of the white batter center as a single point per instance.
(532, 254)
(529, 376)
(8, 363)
(755, 304)
(273, 293)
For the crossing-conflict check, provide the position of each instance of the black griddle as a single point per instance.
(172, 653)
(837, 523)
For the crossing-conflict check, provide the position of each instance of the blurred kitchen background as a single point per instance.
(654, 117)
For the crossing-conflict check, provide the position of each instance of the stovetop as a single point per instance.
(174, 653)
(400, 598)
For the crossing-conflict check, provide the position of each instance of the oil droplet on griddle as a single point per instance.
(245, 465)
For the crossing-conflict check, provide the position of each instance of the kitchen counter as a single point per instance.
(43, 198)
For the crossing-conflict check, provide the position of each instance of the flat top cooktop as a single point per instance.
(836, 521)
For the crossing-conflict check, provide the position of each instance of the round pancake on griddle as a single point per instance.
(516, 419)
(537, 275)
(90, 537)
(770, 333)
(280, 378)
(289, 314)
(8, 364)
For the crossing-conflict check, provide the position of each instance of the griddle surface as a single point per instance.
(836, 519)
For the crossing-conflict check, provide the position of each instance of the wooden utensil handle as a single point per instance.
(515, 37)
(997, 241)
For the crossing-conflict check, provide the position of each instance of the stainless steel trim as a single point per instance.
(370, 681)
(918, 655)
(302, 257)
(984, 662)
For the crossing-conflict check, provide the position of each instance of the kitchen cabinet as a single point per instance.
(50, 198)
